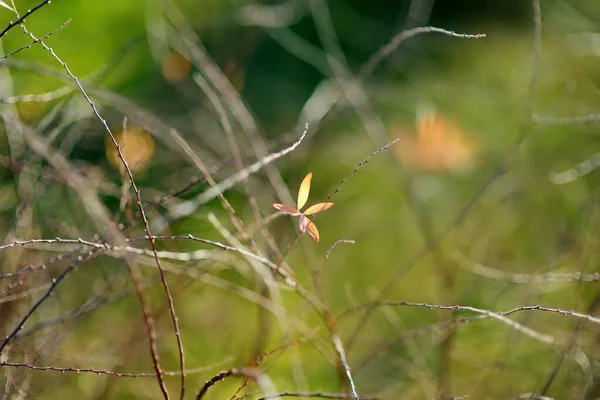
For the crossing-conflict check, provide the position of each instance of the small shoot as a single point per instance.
(304, 223)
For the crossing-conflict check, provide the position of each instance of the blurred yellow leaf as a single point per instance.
(235, 73)
(439, 145)
(312, 229)
(176, 67)
(31, 111)
(137, 148)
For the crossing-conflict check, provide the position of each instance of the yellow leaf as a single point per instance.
(304, 191)
(312, 229)
(439, 145)
(137, 148)
(175, 67)
(317, 208)
(286, 209)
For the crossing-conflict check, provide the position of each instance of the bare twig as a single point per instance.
(497, 315)
(211, 193)
(26, 293)
(583, 168)
(55, 282)
(46, 36)
(585, 119)
(392, 45)
(358, 166)
(107, 372)
(461, 216)
(134, 274)
(319, 268)
(497, 274)
(317, 395)
(22, 19)
(339, 347)
(253, 374)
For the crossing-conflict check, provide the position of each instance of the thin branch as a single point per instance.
(100, 301)
(352, 89)
(572, 342)
(392, 45)
(406, 336)
(107, 372)
(550, 121)
(583, 168)
(272, 16)
(533, 396)
(499, 316)
(23, 243)
(38, 267)
(493, 273)
(253, 374)
(188, 208)
(319, 268)
(22, 19)
(99, 214)
(137, 192)
(46, 36)
(339, 347)
(465, 211)
(21, 295)
(55, 282)
(39, 98)
(317, 395)
(88, 306)
(260, 359)
(246, 253)
(139, 285)
(363, 162)
(231, 96)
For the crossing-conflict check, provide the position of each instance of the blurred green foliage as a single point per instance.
(523, 223)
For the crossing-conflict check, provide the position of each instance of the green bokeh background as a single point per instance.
(524, 223)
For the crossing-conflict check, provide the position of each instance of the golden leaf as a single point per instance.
(137, 148)
(175, 67)
(304, 191)
(312, 229)
(317, 208)
(439, 145)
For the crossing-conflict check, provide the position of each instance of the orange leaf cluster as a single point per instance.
(304, 223)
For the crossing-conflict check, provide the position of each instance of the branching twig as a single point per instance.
(55, 282)
(253, 374)
(392, 45)
(134, 273)
(186, 209)
(22, 19)
(461, 216)
(46, 36)
(497, 315)
(319, 268)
